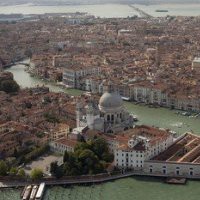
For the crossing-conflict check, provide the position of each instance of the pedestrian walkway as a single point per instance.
(84, 179)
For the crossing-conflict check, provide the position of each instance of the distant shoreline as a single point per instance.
(85, 4)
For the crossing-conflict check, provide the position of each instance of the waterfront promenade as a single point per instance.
(84, 180)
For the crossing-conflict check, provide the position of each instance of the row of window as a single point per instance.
(164, 171)
(141, 155)
(130, 165)
(137, 161)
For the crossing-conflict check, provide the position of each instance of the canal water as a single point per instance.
(136, 188)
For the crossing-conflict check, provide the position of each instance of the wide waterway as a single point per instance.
(135, 188)
(107, 10)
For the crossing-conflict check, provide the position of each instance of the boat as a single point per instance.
(23, 191)
(126, 98)
(135, 118)
(40, 192)
(33, 192)
(161, 10)
(174, 133)
(175, 180)
(27, 192)
(186, 113)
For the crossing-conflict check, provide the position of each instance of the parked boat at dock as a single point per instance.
(27, 192)
(40, 192)
(33, 192)
(23, 191)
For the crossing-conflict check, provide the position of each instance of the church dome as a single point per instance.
(110, 100)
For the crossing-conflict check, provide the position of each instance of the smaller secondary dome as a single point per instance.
(110, 100)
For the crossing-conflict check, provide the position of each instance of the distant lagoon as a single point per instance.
(107, 10)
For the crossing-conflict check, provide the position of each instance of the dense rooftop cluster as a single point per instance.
(33, 117)
(135, 54)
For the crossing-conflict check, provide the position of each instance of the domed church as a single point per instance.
(109, 116)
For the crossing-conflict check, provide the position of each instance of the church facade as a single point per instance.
(108, 116)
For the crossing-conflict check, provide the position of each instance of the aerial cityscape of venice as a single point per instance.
(99, 100)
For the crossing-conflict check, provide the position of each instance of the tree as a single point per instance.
(99, 146)
(21, 173)
(56, 170)
(59, 172)
(36, 153)
(65, 157)
(82, 146)
(9, 86)
(108, 157)
(88, 158)
(36, 174)
(3, 168)
(13, 171)
(53, 167)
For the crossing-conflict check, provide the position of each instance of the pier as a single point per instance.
(95, 179)
(141, 12)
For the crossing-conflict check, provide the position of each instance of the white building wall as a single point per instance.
(135, 159)
(60, 148)
(129, 159)
(172, 168)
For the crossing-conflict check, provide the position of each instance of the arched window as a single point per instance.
(120, 115)
(112, 117)
(108, 117)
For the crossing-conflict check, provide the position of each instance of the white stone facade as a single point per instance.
(62, 145)
(172, 168)
(134, 156)
(71, 76)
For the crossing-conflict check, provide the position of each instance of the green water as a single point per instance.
(136, 188)
(129, 188)
(25, 80)
(164, 118)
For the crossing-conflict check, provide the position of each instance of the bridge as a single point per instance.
(15, 63)
(141, 12)
(21, 63)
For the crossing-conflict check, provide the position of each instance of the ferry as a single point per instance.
(162, 10)
(40, 192)
(27, 193)
(33, 192)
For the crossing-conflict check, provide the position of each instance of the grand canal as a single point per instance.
(159, 117)
(136, 188)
